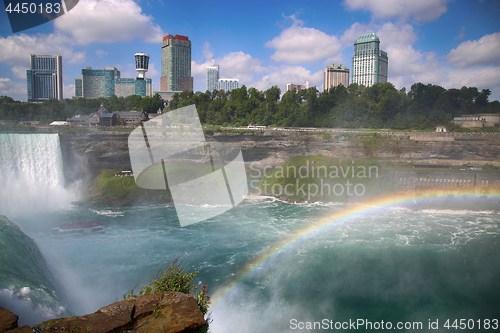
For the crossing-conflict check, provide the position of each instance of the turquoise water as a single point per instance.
(398, 266)
(394, 266)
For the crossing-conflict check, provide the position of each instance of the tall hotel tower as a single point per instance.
(44, 78)
(369, 64)
(335, 75)
(176, 64)
(213, 78)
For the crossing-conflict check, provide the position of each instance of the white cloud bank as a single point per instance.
(108, 21)
(484, 51)
(299, 44)
(16, 49)
(402, 10)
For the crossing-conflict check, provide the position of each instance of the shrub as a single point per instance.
(175, 278)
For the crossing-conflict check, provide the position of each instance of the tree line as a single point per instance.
(357, 106)
(54, 109)
(379, 106)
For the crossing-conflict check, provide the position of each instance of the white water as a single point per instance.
(397, 264)
(31, 169)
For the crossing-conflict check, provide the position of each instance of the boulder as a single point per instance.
(167, 312)
(176, 312)
(23, 329)
(8, 320)
(146, 305)
(107, 319)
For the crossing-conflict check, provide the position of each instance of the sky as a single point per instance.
(451, 43)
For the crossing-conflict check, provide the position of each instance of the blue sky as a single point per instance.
(452, 43)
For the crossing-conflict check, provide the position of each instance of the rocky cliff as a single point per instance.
(86, 155)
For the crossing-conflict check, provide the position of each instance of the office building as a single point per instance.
(176, 64)
(369, 63)
(335, 75)
(297, 86)
(213, 78)
(228, 84)
(44, 78)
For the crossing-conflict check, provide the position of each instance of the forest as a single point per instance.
(357, 106)
(54, 109)
(423, 107)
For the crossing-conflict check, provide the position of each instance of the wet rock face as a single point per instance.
(93, 152)
(168, 312)
(8, 320)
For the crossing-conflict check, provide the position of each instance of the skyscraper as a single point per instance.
(213, 78)
(44, 78)
(369, 64)
(176, 64)
(334, 76)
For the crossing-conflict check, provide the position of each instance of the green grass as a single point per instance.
(107, 189)
(311, 178)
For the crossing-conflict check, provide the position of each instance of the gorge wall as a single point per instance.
(86, 155)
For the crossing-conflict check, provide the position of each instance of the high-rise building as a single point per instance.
(213, 78)
(176, 64)
(369, 63)
(44, 78)
(297, 86)
(107, 82)
(97, 82)
(216, 83)
(335, 75)
(228, 84)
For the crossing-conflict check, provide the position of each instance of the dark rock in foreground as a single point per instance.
(169, 312)
(8, 320)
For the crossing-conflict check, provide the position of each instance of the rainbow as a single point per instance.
(346, 214)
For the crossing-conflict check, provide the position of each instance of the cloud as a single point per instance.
(129, 71)
(69, 91)
(397, 40)
(207, 52)
(280, 76)
(421, 10)
(108, 21)
(461, 34)
(13, 89)
(235, 65)
(488, 78)
(19, 71)
(298, 44)
(101, 53)
(478, 52)
(17, 48)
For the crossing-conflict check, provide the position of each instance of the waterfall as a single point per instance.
(26, 284)
(31, 169)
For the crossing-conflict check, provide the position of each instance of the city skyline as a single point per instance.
(447, 43)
